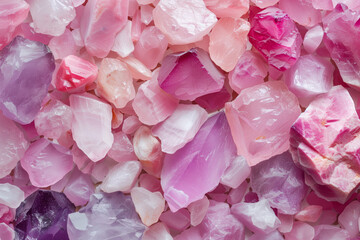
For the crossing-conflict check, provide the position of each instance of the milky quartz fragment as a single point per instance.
(115, 83)
(100, 23)
(123, 44)
(91, 126)
(313, 38)
(30, 65)
(180, 127)
(138, 69)
(349, 218)
(205, 157)
(183, 21)
(260, 119)
(191, 74)
(326, 232)
(11, 195)
(324, 143)
(276, 37)
(236, 173)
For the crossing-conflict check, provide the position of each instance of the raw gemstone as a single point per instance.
(309, 77)
(287, 222)
(249, 71)
(13, 13)
(122, 148)
(180, 128)
(12, 145)
(310, 213)
(198, 210)
(11, 195)
(131, 124)
(30, 65)
(275, 235)
(146, 14)
(301, 12)
(79, 188)
(51, 17)
(138, 69)
(107, 216)
(349, 218)
(258, 216)
(178, 221)
(46, 163)
(6, 232)
(341, 34)
(91, 126)
(189, 75)
(214, 101)
(205, 157)
(123, 44)
(228, 8)
(276, 37)
(260, 119)
(265, 3)
(115, 83)
(148, 205)
(157, 231)
(101, 21)
(236, 173)
(63, 45)
(313, 38)
(326, 232)
(149, 182)
(237, 194)
(75, 72)
(183, 21)
(43, 215)
(189, 234)
(6, 214)
(300, 231)
(228, 41)
(280, 182)
(121, 177)
(150, 47)
(325, 142)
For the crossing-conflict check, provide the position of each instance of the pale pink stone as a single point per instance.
(77, 3)
(100, 23)
(137, 26)
(63, 45)
(148, 205)
(322, 4)
(60, 185)
(7, 214)
(326, 232)
(123, 44)
(6, 232)
(180, 128)
(349, 218)
(115, 83)
(28, 32)
(121, 177)
(157, 231)
(138, 69)
(300, 231)
(237, 194)
(79, 188)
(79, 42)
(150, 182)
(313, 38)
(91, 126)
(102, 168)
(131, 124)
(177, 221)
(236, 173)
(145, 2)
(122, 148)
(11, 195)
(82, 161)
(287, 222)
(183, 21)
(198, 210)
(146, 14)
(260, 119)
(117, 118)
(228, 42)
(133, 6)
(301, 11)
(310, 213)
(327, 217)
(228, 8)
(274, 235)
(265, 3)
(352, 4)
(189, 234)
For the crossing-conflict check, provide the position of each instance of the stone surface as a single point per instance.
(183, 21)
(309, 213)
(11, 195)
(202, 158)
(326, 232)
(301, 12)
(349, 218)
(64, 45)
(180, 128)
(228, 8)
(122, 148)
(260, 119)
(274, 235)
(214, 101)
(264, 3)
(79, 188)
(300, 231)
(313, 38)
(123, 44)
(191, 74)
(46, 162)
(276, 37)
(6, 232)
(157, 231)
(138, 69)
(43, 215)
(177, 221)
(236, 173)
(30, 65)
(198, 210)
(93, 137)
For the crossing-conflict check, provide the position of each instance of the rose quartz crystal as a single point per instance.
(313, 38)
(91, 126)
(123, 44)
(300, 231)
(157, 231)
(6, 232)
(287, 222)
(189, 75)
(11, 195)
(115, 83)
(228, 41)
(228, 8)
(79, 188)
(131, 124)
(349, 218)
(183, 21)
(276, 37)
(236, 173)
(264, 3)
(146, 14)
(138, 69)
(178, 221)
(101, 21)
(214, 101)
(260, 119)
(310, 213)
(301, 11)
(180, 128)
(326, 232)
(325, 142)
(63, 45)
(122, 148)
(198, 210)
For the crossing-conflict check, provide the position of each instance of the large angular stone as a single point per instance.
(30, 65)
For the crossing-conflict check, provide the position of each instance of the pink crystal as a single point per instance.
(63, 45)
(79, 188)
(198, 210)
(301, 12)
(287, 222)
(349, 218)
(6, 232)
(131, 124)
(214, 101)
(146, 14)
(274, 235)
(123, 44)
(325, 232)
(310, 213)
(122, 148)
(300, 231)
(236, 173)
(138, 69)
(178, 221)
(313, 38)
(264, 3)
(228, 8)
(157, 231)
(11, 195)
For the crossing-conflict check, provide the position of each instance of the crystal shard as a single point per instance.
(11, 195)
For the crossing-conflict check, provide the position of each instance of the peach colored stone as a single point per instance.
(123, 44)
(198, 210)
(301, 12)
(310, 213)
(300, 231)
(228, 8)
(157, 231)
(131, 124)
(122, 149)
(138, 69)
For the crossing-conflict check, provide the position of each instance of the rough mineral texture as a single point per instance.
(11, 195)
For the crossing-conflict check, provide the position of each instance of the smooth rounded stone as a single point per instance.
(123, 44)
(287, 222)
(157, 231)
(324, 142)
(228, 8)
(280, 182)
(12, 145)
(6, 232)
(121, 177)
(264, 3)
(149, 205)
(93, 137)
(329, 232)
(249, 71)
(138, 69)
(349, 218)
(79, 188)
(43, 215)
(275, 235)
(75, 72)
(189, 75)
(313, 38)
(106, 216)
(236, 173)
(180, 128)
(205, 157)
(122, 148)
(178, 221)
(150, 47)
(198, 210)
(28, 64)
(300, 231)
(276, 37)
(214, 101)
(13, 13)
(301, 12)
(183, 21)
(131, 124)
(115, 83)
(310, 213)
(260, 119)
(100, 23)
(309, 77)
(11, 195)
(51, 17)
(63, 45)
(46, 162)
